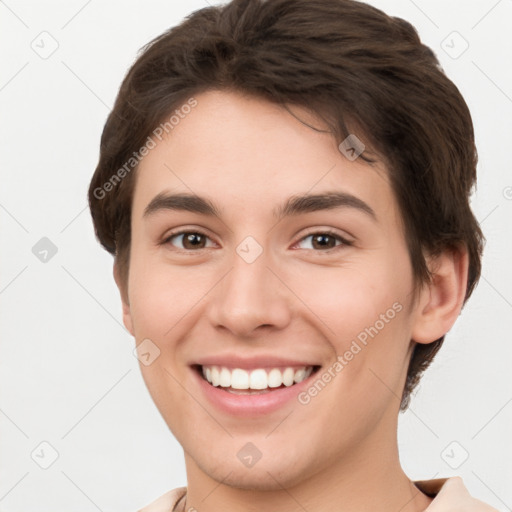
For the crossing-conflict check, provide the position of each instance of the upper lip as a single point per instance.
(261, 361)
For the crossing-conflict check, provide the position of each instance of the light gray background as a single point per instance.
(68, 375)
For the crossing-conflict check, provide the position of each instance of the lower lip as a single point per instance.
(250, 405)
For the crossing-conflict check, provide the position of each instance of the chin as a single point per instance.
(270, 475)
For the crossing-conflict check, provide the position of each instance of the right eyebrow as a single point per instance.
(184, 202)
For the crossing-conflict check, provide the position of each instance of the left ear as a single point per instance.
(441, 300)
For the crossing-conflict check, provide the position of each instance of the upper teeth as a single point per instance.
(255, 379)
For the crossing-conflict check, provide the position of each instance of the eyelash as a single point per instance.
(344, 241)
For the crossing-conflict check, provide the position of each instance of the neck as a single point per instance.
(366, 478)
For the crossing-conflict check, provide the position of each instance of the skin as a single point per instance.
(338, 452)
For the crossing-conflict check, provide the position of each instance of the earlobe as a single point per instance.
(441, 300)
(127, 318)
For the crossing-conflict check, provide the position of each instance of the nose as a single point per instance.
(250, 298)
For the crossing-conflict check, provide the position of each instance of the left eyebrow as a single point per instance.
(306, 203)
(295, 205)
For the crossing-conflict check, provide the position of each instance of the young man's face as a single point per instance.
(255, 291)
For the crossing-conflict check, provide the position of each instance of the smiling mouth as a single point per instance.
(256, 381)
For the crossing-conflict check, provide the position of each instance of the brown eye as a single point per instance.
(324, 241)
(190, 240)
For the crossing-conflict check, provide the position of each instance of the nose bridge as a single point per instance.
(249, 295)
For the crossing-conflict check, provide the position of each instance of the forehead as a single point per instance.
(251, 153)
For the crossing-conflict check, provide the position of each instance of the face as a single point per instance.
(255, 287)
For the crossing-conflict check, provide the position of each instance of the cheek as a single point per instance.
(162, 297)
(347, 300)
(362, 313)
(162, 303)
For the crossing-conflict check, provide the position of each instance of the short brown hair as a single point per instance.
(352, 65)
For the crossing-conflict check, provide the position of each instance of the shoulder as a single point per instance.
(451, 494)
(166, 502)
